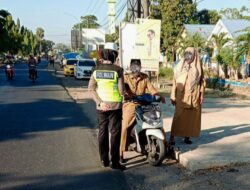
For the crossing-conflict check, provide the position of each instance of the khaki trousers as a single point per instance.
(128, 118)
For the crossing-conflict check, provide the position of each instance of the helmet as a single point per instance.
(110, 52)
(111, 46)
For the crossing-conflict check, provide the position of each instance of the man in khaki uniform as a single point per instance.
(136, 83)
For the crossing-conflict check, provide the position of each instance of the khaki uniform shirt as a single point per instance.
(138, 85)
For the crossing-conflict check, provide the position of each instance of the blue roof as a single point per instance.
(203, 29)
(70, 55)
(235, 25)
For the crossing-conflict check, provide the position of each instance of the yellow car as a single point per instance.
(68, 68)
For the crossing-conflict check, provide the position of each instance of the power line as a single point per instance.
(96, 7)
(90, 5)
(199, 1)
(119, 13)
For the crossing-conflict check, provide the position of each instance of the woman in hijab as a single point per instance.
(187, 96)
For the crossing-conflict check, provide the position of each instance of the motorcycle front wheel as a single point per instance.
(157, 152)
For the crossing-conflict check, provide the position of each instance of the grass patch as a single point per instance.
(166, 73)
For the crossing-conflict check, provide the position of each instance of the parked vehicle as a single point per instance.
(9, 71)
(83, 68)
(148, 132)
(68, 68)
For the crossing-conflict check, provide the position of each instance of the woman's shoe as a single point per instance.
(187, 140)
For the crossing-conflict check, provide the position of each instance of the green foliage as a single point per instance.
(230, 57)
(233, 13)
(166, 73)
(243, 42)
(207, 16)
(155, 9)
(88, 21)
(220, 40)
(174, 14)
(195, 40)
(219, 59)
(112, 37)
(17, 39)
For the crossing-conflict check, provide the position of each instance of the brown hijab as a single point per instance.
(186, 74)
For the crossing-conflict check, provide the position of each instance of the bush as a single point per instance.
(166, 73)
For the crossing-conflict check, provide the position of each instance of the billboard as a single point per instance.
(141, 41)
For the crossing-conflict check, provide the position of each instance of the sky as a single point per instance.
(57, 17)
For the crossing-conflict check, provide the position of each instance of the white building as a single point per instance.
(93, 38)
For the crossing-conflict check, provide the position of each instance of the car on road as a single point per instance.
(68, 68)
(83, 68)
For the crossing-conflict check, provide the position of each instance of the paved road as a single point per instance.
(46, 139)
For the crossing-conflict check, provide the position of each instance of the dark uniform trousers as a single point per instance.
(112, 119)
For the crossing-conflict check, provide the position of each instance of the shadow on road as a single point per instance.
(44, 115)
(106, 180)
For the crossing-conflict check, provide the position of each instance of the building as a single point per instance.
(93, 38)
(232, 27)
(191, 29)
(203, 29)
(76, 41)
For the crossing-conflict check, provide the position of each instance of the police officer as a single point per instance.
(106, 87)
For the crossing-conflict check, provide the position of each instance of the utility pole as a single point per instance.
(138, 8)
(146, 8)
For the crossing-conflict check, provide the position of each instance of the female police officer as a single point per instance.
(106, 86)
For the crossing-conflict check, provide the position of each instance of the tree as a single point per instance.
(47, 45)
(62, 47)
(89, 21)
(233, 13)
(207, 16)
(243, 42)
(112, 37)
(195, 40)
(174, 14)
(219, 41)
(3, 30)
(39, 37)
(230, 56)
(155, 9)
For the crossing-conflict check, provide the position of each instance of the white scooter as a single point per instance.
(148, 131)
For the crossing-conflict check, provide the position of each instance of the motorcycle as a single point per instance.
(33, 73)
(9, 72)
(148, 131)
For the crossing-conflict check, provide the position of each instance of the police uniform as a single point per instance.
(106, 85)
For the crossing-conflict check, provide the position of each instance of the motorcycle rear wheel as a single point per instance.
(157, 152)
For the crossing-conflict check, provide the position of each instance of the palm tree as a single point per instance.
(243, 42)
(219, 41)
(196, 41)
